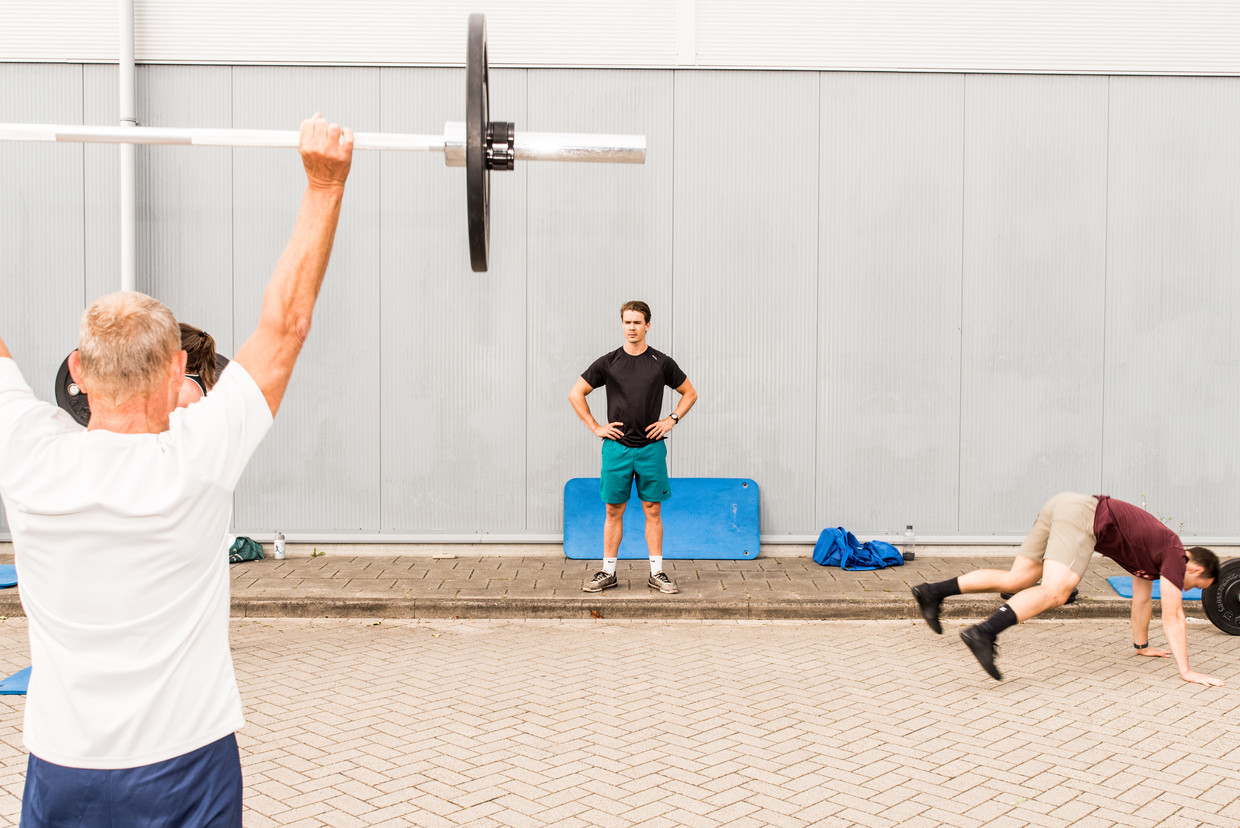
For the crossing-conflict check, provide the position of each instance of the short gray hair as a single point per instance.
(125, 342)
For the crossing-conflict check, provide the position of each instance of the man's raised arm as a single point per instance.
(288, 303)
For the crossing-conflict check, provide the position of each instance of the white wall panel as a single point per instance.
(1173, 348)
(1192, 37)
(745, 290)
(888, 371)
(362, 32)
(1047, 36)
(318, 469)
(453, 341)
(1034, 268)
(599, 236)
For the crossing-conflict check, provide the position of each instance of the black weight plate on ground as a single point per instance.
(69, 397)
(477, 116)
(1221, 600)
(75, 402)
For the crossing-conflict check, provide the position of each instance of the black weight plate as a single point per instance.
(477, 116)
(1221, 600)
(72, 399)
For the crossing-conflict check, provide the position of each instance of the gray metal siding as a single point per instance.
(1173, 347)
(745, 265)
(318, 469)
(453, 341)
(41, 270)
(1034, 266)
(598, 236)
(888, 376)
(933, 299)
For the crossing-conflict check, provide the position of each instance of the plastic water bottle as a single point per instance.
(278, 546)
(910, 543)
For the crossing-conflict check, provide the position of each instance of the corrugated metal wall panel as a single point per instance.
(745, 290)
(1173, 347)
(738, 310)
(41, 265)
(598, 236)
(102, 185)
(1051, 36)
(395, 33)
(179, 188)
(889, 302)
(319, 467)
(1034, 270)
(453, 341)
(41, 247)
(67, 30)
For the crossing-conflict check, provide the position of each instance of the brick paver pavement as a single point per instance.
(738, 723)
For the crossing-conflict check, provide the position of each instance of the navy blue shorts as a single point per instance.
(200, 789)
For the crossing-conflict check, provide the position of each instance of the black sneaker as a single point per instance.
(929, 605)
(983, 649)
(599, 582)
(662, 583)
(1071, 598)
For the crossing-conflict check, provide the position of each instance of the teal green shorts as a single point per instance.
(622, 463)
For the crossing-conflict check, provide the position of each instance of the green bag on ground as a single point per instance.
(245, 549)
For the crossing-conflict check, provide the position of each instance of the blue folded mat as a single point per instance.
(8, 575)
(15, 685)
(1123, 585)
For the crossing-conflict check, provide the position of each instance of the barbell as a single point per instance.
(478, 144)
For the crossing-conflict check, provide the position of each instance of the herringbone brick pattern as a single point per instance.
(871, 723)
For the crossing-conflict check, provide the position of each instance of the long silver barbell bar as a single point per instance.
(528, 146)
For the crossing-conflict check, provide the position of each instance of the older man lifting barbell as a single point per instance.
(118, 532)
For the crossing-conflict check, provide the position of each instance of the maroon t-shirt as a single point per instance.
(1138, 541)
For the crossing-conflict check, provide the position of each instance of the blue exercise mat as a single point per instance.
(8, 576)
(1123, 585)
(707, 518)
(15, 685)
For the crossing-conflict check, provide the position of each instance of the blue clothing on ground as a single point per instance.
(839, 547)
(199, 789)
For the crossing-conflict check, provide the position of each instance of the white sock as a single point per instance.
(656, 565)
(609, 565)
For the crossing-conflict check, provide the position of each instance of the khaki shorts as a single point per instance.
(1064, 532)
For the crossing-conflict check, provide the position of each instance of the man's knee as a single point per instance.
(652, 509)
(615, 511)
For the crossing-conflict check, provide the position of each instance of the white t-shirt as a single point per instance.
(123, 572)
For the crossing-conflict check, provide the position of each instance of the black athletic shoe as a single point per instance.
(983, 649)
(1071, 598)
(929, 605)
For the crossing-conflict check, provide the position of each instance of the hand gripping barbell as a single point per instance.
(479, 144)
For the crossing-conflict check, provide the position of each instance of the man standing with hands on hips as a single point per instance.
(633, 438)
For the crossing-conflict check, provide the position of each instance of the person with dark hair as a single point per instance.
(199, 348)
(118, 531)
(1068, 530)
(633, 440)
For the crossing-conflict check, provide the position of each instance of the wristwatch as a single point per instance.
(675, 419)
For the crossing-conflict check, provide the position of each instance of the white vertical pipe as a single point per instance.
(128, 118)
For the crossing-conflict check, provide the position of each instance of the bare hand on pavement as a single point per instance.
(1202, 678)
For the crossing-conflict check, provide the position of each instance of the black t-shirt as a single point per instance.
(634, 388)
